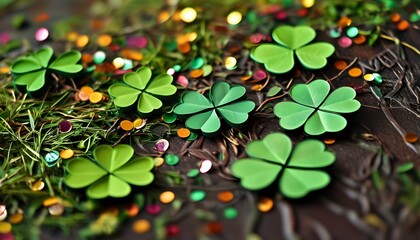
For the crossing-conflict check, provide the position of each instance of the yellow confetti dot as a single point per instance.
(66, 153)
(72, 36)
(163, 16)
(369, 77)
(4, 69)
(5, 227)
(265, 204)
(234, 18)
(188, 14)
(104, 40)
(95, 97)
(38, 186)
(138, 123)
(158, 161)
(118, 62)
(141, 226)
(82, 41)
(167, 197)
(16, 218)
(307, 3)
(126, 125)
(131, 54)
(230, 62)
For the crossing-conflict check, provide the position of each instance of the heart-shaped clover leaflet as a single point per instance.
(280, 58)
(111, 173)
(315, 109)
(273, 158)
(139, 87)
(224, 102)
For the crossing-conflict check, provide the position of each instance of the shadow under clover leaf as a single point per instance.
(315, 109)
(111, 172)
(33, 70)
(139, 87)
(223, 102)
(272, 157)
(280, 58)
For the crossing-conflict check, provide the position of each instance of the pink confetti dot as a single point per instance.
(153, 209)
(344, 42)
(41, 34)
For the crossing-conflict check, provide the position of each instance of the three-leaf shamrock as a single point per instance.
(224, 101)
(139, 87)
(111, 172)
(316, 109)
(273, 156)
(280, 58)
(32, 71)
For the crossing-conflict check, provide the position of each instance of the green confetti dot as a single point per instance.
(193, 173)
(334, 33)
(197, 63)
(414, 17)
(197, 195)
(177, 68)
(171, 46)
(99, 57)
(207, 69)
(230, 213)
(352, 32)
(192, 136)
(169, 118)
(171, 159)
(377, 78)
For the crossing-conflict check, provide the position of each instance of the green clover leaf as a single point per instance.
(111, 172)
(33, 70)
(280, 58)
(139, 87)
(224, 102)
(273, 156)
(316, 109)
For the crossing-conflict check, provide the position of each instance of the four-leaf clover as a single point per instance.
(223, 102)
(315, 109)
(280, 58)
(111, 172)
(139, 87)
(32, 71)
(273, 156)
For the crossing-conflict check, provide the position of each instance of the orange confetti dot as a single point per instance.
(87, 58)
(82, 41)
(257, 87)
(214, 227)
(225, 196)
(340, 64)
(96, 97)
(395, 17)
(66, 153)
(51, 201)
(196, 73)
(359, 39)
(265, 204)
(126, 125)
(329, 141)
(184, 47)
(163, 16)
(183, 132)
(411, 137)
(403, 25)
(246, 78)
(72, 36)
(42, 17)
(344, 22)
(16, 218)
(131, 54)
(167, 197)
(4, 69)
(87, 90)
(104, 40)
(141, 226)
(132, 210)
(355, 72)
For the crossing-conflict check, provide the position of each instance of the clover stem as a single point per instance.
(270, 99)
(397, 41)
(266, 82)
(289, 83)
(345, 69)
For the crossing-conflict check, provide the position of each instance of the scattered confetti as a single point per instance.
(166, 197)
(355, 72)
(411, 137)
(41, 34)
(265, 204)
(225, 196)
(230, 213)
(197, 195)
(141, 226)
(183, 132)
(234, 18)
(161, 146)
(171, 159)
(205, 166)
(126, 125)
(66, 154)
(188, 14)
